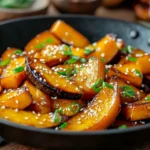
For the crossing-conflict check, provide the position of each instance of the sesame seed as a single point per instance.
(3, 107)
(26, 118)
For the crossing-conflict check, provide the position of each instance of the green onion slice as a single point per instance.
(127, 91)
(75, 107)
(103, 60)
(138, 73)
(57, 117)
(18, 52)
(49, 40)
(5, 62)
(41, 45)
(18, 69)
(123, 126)
(132, 59)
(63, 125)
(66, 49)
(147, 98)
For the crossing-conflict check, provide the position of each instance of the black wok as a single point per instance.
(17, 33)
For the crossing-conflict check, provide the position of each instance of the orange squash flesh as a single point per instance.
(8, 53)
(52, 55)
(100, 112)
(68, 34)
(78, 52)
(54, 83)
(69, 107)
(18, 98)
(105, 48)
(40, 40)
(28, 118)
(41, 101)
(138, 110)
(9, 78)
(89, 75)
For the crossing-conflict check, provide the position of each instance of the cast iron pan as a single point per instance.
(17, 33)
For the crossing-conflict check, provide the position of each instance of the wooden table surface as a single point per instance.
(118, 13)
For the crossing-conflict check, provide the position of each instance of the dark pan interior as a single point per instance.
(17, 33)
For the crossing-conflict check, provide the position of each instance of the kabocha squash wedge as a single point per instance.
(52, 55)
(89, 75)
(40, 40)
(18, 98)
(50, 82)
(105, 48)
(68, 34)
(128, 92)
(100, 113)
(41, 101)
(67, 107)
(28, 118)
(137, 111)
(14, 74)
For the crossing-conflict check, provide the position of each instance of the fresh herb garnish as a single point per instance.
(63, 125)
(72, 60)
(128, 49)
(68, 72)
(127, 91)
(138, 73)
(18, 52)
(83, 60)
(18, 69)
(41, 45)
(100, 84)
(147, 98)
(123, 126)
(57, 117)
(66, 49)
(75, 107)
(89, 49)
(132, 59)
(5, 62)
(49, 40)
(106, 70)
(103, 60)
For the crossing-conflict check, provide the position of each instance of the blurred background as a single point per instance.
(130, 10)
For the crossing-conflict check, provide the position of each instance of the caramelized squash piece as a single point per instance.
(68, 34)
(40, 40)
(8, 53)
(50, 82)
(105, 48)
(41, 101)
(131, 70)
(128, 92)
(100, 112)
(137, 111)
(89, 75)
(18, 98)
(78, 52)
(51, 55)
(28, 118)
(68, 107)
(14, 74)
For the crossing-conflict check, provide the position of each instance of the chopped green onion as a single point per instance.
(138, 73)
(89, 49)
(127, 91)
(57, 117)
(106, 70)
(105, 84)
(60, 110)
(98, 85)
(63, 125)
(40, 46)
(18, 69)
(103, 60)
(49, 40)
(83, 60)
(128, 49)
(66, 49)
(5, 62)
(72, 60)
(123, 126)
(75, 107)
(132, 59)
(69, 72)
(147, 98)
(18, 52)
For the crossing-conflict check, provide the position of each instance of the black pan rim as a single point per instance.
(70, 133)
